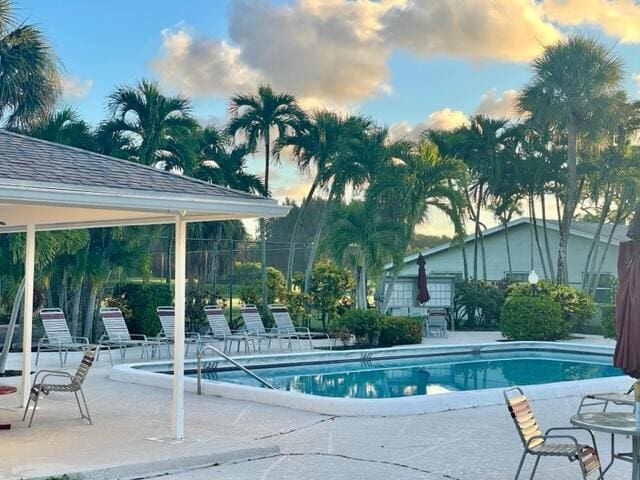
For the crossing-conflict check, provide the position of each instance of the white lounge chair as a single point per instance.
(57, 336)
(117, 335)
(437, 322)
(255, 328)
(219, 330)
(284, 325)
(167, 317)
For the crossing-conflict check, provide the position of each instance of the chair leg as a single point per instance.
(535, 467)
(26, 409)
(85, 415)
(524, 455)
(35, 407)
(37, 355)
(60, 354)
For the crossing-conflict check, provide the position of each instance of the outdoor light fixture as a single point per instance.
(533, 278)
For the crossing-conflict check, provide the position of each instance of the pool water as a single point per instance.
(401, 378)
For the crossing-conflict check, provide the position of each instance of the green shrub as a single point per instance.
(578, 308)
(533, 318)
(608, 315)
(138, 302)
(400, 331)
(364, 325)
(477, 304)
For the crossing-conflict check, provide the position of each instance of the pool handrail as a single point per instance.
(229, 359)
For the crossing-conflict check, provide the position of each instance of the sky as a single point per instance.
(408, 64)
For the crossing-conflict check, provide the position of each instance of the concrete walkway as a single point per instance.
(248, 440)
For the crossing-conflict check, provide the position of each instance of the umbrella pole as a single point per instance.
(636, 391)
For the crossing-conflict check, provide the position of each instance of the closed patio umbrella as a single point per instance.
(627, 353)
(423, 291)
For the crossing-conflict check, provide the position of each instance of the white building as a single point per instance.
(444, 263)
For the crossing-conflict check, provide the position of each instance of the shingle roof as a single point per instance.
(30, 159)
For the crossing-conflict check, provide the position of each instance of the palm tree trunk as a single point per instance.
(476, 233)
(537, 237)
(90, 310)
(263, 233)
(596, 238)
(361, 295)
(483, 252)
(11, 328)
(388, 292)
(547, 245)
(570, 201)
(75, 307)
(506, 241)
(596, 275)
(296, 226)
(314, 247)
(465, 263)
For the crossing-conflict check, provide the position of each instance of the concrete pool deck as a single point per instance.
(131, 428)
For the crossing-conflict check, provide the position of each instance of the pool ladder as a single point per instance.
(230, 360)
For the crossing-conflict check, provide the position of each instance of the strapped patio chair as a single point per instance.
(57, 336)
(41, 387)
(285, 325)
(604, 399)
(117, 335)
(437, 322)
(549, 445)
(167, 316)
(219, 330)
(255, 328)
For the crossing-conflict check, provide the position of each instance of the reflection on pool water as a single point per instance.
(423, 376)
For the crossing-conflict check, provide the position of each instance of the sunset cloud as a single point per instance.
(618, 18)
(499, 106)
(514, 30)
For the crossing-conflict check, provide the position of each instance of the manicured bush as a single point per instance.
(608, 316)
(138, 302)
(578, 308)
(373, 329)
(400, 331)
(533, 318)
(364, 325)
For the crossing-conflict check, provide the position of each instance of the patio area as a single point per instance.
(131, 437)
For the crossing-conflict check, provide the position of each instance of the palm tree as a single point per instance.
(480, 144)
(29, 83)
(64, 126)
(359, 238)
(575, 89)
(161, 129)
(407, 190)
(257, 117)
(315, 146)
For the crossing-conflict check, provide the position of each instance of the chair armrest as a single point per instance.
(60, 373)
(555, 437)
(57, 375)
(192, 335)
(138, 336)
(302, 330)
(578, 429)
(80, 340)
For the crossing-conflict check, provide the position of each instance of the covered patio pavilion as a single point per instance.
(46, 186)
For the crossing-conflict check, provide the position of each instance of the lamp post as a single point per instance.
(533, 281)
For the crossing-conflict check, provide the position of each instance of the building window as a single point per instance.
(441, 292)
(517, 276)
(403, 294)
(605, 288)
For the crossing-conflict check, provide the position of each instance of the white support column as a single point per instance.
(178, 350)
(27, 309)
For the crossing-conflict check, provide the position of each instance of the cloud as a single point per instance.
(499, 106)
(74, 88)
(636, 79)
(201, 66)
(513, 30)
(446, 119)
(619, 18)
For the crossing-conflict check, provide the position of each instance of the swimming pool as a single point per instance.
(400, 380)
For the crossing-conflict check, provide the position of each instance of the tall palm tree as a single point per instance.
(29, 83)
(161, 129)
(257, 117)
(314, 147)
(407, 190)
(575, 88)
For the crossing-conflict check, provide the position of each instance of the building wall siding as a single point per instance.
(450, 259)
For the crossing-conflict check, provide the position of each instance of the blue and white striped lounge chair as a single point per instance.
(219, 330)
(255, 328)
(284, 325)
(167, 317)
